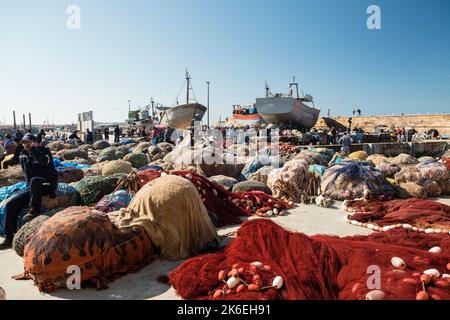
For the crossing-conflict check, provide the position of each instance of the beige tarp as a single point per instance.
(171, 211)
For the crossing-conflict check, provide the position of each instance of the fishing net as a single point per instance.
(108, 153)
(24, 234)
(414, 214)
(69, 174)
(246, 186)
(141, 147)
(312, 157)
(426, 160)
(114, 201)
(71, 154)
(66, 196)
(427, 175)
(137, 160)
(318, 267)
(254, 165)
(11, 176)
(261, 174)
(79, 236)
(7, 192)
(351, 179)
(388, 169)
(56, 145)
(376, 159)
(116, 166)
(2, 151)
(317, 170)
(446, 162)
(93, 188)
(171, 211)
(224, 181)
(290, 181)
(403, 159)
(101, 144)
(358, 155)
(225, 207)
(410, 190)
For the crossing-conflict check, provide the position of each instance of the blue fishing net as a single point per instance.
(5, 193)
(317, 169)
(114, 201)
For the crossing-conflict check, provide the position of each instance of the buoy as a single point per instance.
(218, 294)
(233, 282)
(257, 264)
(2, 294)
(433, 272)
(375, 295)
(277, 282)
(398, 262)
(436, 250)
(221, 275)
(422, 295)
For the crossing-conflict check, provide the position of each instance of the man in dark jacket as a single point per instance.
(89, 137)
(116, 134)
(42, 179)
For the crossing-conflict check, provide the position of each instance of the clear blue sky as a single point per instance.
(138, 49)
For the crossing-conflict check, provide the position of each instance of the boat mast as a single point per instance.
(293, 83)
(188, 79)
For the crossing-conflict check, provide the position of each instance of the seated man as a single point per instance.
(42, 179)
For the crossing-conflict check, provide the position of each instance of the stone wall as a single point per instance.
(439, 122)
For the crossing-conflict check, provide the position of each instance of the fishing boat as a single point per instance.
(183, 115)
(286, 110)
(246, 116)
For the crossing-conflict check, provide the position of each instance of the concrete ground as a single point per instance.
(308, 219)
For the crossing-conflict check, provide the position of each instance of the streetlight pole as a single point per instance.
(208, 102)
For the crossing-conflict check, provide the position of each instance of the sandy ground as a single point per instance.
(308, 219)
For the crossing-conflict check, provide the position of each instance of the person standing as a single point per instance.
(106, 133)
(18, 135)
(346, 142)
(42, 179)
(40, 136)
(89, 137)
(117, 134)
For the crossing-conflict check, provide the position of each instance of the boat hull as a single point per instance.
(287, 110)
(247, 119)
(180, 117)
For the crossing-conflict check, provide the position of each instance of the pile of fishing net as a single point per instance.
(24, 234)
(225, 207)
(384, 164)
(317, 170)
(93, 188)
(159, 151)
(79, 236)
(71, 154)
(287, 151)
(254, 164)
(376, 159)
(56, 145)
(141, 147)
(66, 196)
(246, 186)
(170, 209)
(101, 144)
(403, 159)
(312, 156)
(406, 190)
(116, 166)
(426, 160)
(290, 181)
(69, 174)
(261, 175)
(351, 179)
(137, 160)
(358, 155)
(434, 177)
(224, 181)
(417, 215)
(6, 193)
(317, 267)
(108, 154)
(114, 201)
(11, 175)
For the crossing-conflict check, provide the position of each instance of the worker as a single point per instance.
(42, 179)
(18, 134)
(346, 141)
(74, 136)
(117, 134)
(89, 137)
(106, 133)
(41, 136)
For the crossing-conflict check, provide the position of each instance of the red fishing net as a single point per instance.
(226, 205)
(319, 267)
(418, 213)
